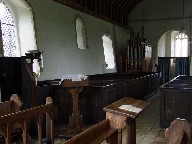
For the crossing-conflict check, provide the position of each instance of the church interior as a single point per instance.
(95, 71)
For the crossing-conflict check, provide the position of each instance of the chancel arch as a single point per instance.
(173, 54)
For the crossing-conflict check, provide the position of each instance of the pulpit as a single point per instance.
(74, 84)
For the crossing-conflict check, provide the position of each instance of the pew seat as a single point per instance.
(96, 134)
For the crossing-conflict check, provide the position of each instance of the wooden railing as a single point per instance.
(22, 119)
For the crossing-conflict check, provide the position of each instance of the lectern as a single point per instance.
(123, 113)
(74, 84)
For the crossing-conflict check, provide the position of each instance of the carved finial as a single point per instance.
(16, 99)
(49, 100)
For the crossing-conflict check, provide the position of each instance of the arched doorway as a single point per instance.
(173, 55)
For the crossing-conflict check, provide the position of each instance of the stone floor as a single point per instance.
(147, 126)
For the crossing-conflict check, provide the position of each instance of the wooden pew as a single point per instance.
(11, 106)
(175, 100)
(96, 134)
(22, 119)
(111, 128)
(179, 132)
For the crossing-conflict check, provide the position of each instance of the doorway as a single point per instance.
(173, 55)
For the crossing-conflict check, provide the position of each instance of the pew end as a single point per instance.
(179, 132)
(12, 106)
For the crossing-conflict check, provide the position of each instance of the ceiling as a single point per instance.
(114, 11)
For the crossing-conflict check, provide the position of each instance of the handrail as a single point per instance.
(23, 118)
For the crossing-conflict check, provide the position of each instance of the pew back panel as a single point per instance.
(175, 101)
(96, 134)
(7, 122)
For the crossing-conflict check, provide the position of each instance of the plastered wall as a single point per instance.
(56, 37)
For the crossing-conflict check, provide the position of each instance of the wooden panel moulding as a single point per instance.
(100, 6)
(96, 6)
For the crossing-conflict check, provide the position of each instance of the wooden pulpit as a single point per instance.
(75, 87)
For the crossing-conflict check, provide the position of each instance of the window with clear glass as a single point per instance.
(108, 52)
(8, 31)
(181, 45)
(81, 34)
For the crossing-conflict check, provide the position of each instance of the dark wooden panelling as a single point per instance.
(176, 100)
(105, 89)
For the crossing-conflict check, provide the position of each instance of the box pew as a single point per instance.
(150, 80)
(176, 100)
(12, 118)
(103, 90)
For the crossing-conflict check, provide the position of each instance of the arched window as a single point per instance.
(8, 31)
(18, 34)
(17, 28)
(181, 45)
(108, 52)
(81, 34)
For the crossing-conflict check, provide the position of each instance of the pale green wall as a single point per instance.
(56, 36)
(159, 17)
(168, 44)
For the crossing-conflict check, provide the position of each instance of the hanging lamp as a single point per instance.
(143, 40)
(181, 34)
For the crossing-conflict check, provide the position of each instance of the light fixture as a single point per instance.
(189, 39)
(182, 28)
(181, 34)
(143, 40)
(107, 33)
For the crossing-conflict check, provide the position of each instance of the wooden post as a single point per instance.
(39, 123)
(25, 131)
(8, 134)
(75, 120)
(49, 121)
(131, 131)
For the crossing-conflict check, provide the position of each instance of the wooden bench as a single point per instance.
(12, 118)
(11, 106)
(96, 134)
(111, 128)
